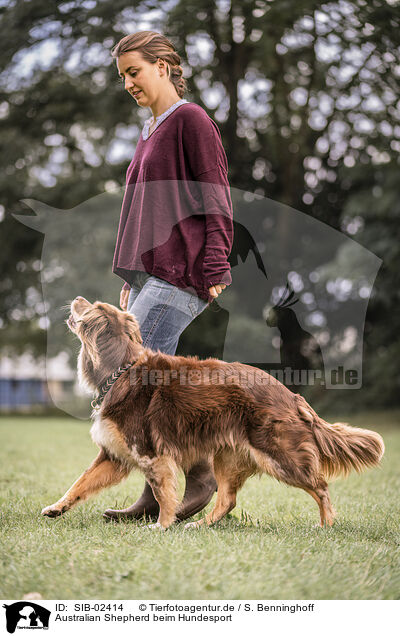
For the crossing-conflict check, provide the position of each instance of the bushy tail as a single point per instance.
(343, 447)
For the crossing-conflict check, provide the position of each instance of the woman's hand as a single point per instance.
(215, 290)
(123, 299)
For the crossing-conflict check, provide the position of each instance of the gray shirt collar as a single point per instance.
(160, 118)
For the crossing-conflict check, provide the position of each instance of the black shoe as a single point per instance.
(200, 487)
(145, 506)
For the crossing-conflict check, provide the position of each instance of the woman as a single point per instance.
(176, 231)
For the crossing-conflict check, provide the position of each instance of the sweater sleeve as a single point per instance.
(208, 165)
(219, 227)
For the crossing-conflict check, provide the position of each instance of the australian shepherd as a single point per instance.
(161, 413)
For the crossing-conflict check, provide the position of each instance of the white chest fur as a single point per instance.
(105, 434)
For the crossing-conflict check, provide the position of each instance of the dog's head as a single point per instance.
(110, 338)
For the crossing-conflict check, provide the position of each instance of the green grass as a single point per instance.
(268, 547)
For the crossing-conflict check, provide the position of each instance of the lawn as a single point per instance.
(267, 548)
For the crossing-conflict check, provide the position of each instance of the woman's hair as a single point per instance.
(152, 45)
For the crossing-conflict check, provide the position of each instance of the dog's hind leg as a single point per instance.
(321, 496)
(160, 473)
(230, 475)
(103, 472)
(304, 476)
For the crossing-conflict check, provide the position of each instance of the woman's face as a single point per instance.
(142, 79)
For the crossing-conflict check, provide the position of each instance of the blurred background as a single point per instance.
(306, 96)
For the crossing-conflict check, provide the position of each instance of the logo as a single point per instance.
(26, 615)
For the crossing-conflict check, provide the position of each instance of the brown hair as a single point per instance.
(153, 45)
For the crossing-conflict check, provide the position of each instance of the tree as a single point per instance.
(305, 94)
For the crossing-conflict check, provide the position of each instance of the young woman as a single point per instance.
(176, 230)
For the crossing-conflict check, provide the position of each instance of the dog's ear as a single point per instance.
(89, 342)
(132, 328)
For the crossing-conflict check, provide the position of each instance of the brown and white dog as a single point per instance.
(161, 413)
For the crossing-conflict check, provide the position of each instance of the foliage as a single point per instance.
(306, 97)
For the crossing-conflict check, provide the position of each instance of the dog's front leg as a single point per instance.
(101, 473)
(161, 475)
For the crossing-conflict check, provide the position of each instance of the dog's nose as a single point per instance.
(79, 298)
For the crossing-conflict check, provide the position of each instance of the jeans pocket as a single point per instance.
(133, 294)
(196, 305)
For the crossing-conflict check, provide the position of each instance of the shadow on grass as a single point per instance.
(24, 513)
(384, 531)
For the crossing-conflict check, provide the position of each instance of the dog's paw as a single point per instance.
(323, 526)
(155, 526)
(193, 525)
(54, 510)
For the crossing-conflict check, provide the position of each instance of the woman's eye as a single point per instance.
(122, 79)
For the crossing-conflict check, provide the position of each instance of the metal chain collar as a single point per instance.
(106, 386)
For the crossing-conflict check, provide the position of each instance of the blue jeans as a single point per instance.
(162, 310)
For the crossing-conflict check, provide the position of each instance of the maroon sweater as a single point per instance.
(176, 218)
